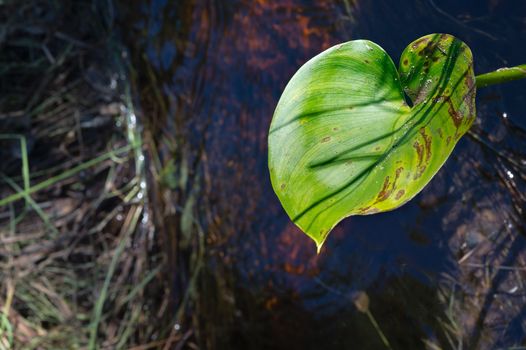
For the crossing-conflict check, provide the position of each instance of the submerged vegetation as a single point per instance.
(79, 264)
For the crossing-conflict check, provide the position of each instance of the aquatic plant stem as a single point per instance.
(501, 75)
(378, 329)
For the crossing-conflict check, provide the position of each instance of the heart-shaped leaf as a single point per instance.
(343, 141)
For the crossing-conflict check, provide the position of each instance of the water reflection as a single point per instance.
(444, 270)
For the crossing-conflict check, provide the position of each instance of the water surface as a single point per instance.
(445, 269)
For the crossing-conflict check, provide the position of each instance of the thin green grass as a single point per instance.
(25, 159)
(64, 175)
(6, 332)
(72, 188)
(32, 203)
(97, 311)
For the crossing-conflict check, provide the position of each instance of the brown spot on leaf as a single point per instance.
(405, 62)
(419, 152)
(430, 49)
(363, 210)
(427, 143)
(385, 192)
(366, 61)
(326, 139)
(420, 159)
(440, 133)
(283, 186)
(469, 82)
(420, 42)
(469, 97)
(388, 188)
(399, 194)
(454, 114)
(369, 210)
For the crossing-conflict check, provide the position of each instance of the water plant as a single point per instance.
(352, 135)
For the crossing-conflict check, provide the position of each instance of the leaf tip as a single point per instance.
(319, 244)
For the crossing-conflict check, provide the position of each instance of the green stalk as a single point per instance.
(501, 75)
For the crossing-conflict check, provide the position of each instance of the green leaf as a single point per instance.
(343, 141)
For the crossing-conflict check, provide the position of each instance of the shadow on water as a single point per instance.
(445, 270)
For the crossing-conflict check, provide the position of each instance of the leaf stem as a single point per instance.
(501, 75)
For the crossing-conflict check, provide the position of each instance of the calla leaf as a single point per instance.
(344, 141)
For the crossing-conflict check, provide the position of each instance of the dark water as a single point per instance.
(445, 269)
